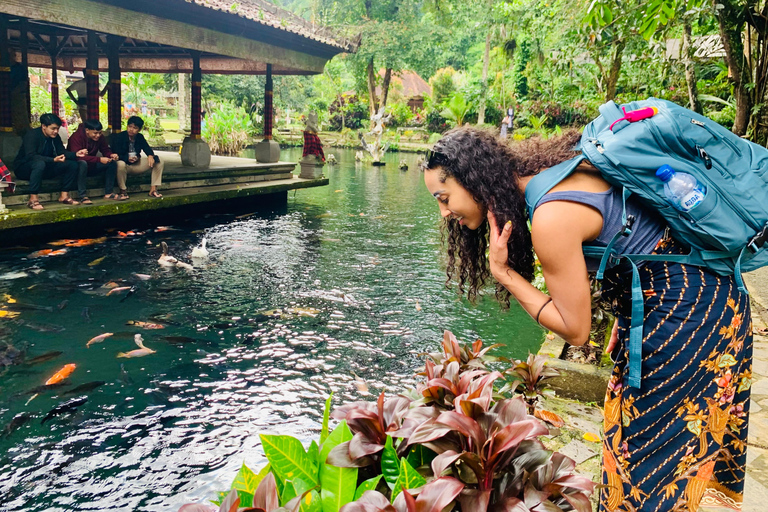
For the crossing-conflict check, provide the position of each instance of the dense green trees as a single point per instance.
(556, 60)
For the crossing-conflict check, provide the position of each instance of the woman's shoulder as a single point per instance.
(585, 179)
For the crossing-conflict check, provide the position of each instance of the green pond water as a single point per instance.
(361, 254)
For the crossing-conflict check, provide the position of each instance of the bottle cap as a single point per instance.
(665, 173)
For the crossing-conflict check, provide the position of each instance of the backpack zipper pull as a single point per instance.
(705, 156)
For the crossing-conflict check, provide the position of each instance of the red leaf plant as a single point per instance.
(370, 423)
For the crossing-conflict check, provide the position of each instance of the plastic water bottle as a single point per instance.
(683, 191)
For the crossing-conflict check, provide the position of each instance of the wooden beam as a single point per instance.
(118, 21)
(164, 64)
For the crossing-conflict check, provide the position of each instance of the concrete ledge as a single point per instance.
(22, 217)
(583, 382)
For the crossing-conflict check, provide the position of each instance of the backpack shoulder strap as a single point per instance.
(545, 180)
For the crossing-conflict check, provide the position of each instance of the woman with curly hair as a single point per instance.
(677, 441)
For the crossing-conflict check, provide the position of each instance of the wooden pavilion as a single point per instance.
(157, 36)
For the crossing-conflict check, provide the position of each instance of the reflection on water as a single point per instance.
(286, 309)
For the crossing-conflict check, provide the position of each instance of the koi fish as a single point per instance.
(97, 261)
(8, 276)
(82, 388)
(44, 253)
(143, 277)
(45, 357)
(61, 242)
(85, 242)
(98, 339)
(140, 352)
(68, 406)
(118, 290)
(62, 374)
(16, 423)
(144, 325)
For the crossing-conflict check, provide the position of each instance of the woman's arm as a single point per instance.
(558, 233)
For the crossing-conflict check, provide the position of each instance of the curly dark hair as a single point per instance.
(489, 170)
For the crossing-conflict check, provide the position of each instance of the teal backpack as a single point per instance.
(726, 232)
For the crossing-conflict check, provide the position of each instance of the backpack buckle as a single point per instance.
(757, 241)
(626, 229)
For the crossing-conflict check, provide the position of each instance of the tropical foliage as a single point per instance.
(452, 443)
(227, 129)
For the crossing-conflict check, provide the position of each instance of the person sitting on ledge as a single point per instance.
(129, 145)
(42, 154)
(89, 137)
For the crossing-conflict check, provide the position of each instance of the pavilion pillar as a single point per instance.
(115, 100)
(9, 141)
(268, 151)
(92, 78)
(197, 97)
(194, 150)
(20, 93)
(55, 102)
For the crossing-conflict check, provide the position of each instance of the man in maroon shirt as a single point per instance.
(89, 137)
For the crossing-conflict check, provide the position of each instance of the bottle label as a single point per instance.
(691, 199)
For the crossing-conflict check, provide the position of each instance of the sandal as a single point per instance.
(85, 200)
(35, 205)
(155, 194)
(123, 197)
(114, 197)
(69, 201)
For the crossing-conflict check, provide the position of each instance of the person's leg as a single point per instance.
(70, 176)
(139, 167)
(122, 174)
(82, 176)
(157, 179)
(69, 171)
(110, 173)
(33, 172)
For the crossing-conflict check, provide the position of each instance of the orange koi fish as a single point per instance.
(61, 242)
(144, 325)
(47, 252)
(62, 374)
(85, 242)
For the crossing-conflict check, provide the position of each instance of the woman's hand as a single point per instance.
(498, 253)
(614, 337)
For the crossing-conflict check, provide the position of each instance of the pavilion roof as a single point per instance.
(233, 36)
(266, 13)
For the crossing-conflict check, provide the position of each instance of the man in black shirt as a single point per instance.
(41, 155)
(128, 145)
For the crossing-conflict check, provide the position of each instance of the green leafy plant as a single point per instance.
(529, 379)
(459, 445)
(227, 129)
(537, 122)
(456, 110)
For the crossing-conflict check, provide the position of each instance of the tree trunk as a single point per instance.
(731, 26)
(613, 75)
(690, 71)
(373, 102)
(484, 83)
(385, 86)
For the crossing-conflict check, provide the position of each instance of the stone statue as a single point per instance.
(313, 158)
(376, 149)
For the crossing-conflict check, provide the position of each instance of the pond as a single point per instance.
(343, 291)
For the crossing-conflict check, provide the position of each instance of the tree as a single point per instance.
(610, 25)
(141, 84)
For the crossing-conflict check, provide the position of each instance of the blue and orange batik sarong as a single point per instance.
(680, 441)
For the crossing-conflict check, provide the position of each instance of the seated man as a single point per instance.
(42, 154)
(129, 145)
(89, 137)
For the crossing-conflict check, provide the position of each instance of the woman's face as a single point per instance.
(454, 200)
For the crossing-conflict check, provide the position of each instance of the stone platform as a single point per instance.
(227, 179)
